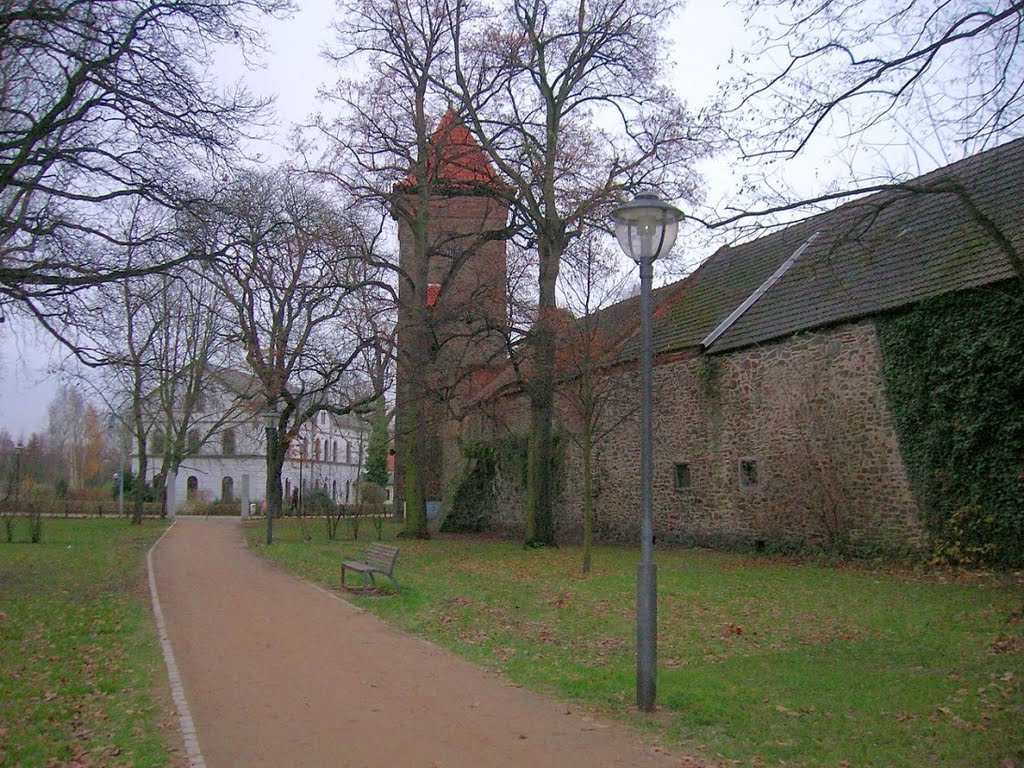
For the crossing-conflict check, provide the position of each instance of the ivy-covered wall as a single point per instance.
(496, 469)
(954, 372)
(491, 494)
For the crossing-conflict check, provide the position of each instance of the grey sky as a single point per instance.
(702, 37)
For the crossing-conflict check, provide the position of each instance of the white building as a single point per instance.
(227, 461)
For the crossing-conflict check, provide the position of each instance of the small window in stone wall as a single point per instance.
(748, 473)
(682, 477)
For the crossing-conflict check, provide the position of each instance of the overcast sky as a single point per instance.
(293, 70)
(702, 37)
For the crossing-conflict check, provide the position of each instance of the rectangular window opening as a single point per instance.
(682, 476)
(748, 473)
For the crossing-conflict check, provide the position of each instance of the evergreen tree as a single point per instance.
(377, 451)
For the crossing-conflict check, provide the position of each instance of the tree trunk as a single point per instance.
(540, 480)
(587, 448)
(275, 460)
(140, 485)
(414, 355)
(416, 526)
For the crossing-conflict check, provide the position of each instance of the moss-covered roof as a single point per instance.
(871, 255)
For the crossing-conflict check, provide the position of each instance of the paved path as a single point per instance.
(280, 673)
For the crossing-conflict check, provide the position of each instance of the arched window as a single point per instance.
(335, 450)
(348, 452)
(316, 449)
(191, 487)
(227, 489)
(334, 490)
(348, 489)
(228, 442)
(193, 441)
(287, 489)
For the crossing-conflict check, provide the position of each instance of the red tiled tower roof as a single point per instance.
(454, 157)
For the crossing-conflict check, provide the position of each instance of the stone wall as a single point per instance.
(806, 416)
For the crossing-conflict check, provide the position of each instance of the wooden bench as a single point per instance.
(380, 558)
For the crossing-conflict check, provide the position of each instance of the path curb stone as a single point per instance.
(185, 722)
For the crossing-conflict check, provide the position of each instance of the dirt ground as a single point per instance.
(280, 673)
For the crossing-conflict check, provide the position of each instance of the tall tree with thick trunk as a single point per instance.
(289, 270)
(380, 152)
(567, 98)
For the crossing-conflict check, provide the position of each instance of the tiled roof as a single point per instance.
(871, 255)
(454, 157)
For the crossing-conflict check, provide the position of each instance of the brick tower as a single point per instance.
(452, 298)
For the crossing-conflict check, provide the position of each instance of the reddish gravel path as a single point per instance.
(280, 673)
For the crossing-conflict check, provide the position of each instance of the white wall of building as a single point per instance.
(328, 455)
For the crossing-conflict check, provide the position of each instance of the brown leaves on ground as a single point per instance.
(1006, 644)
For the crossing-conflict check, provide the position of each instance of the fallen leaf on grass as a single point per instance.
(734, 629)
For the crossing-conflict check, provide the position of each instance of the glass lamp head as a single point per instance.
(646, 227)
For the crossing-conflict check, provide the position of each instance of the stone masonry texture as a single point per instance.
(809, 411)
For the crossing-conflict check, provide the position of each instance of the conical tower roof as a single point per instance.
(454, 158)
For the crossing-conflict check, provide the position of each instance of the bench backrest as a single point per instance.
(382, 557)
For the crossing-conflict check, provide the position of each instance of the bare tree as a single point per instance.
(68, 432)
(289, 271)
(567, 98)
(132, 366)
(149, 348)
(385, 151)
(593, 401)
(952, 67)
(859, 79)
(191, 356)
(103, 102)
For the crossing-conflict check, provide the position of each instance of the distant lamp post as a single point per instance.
(19, 449)
(270, 422)
(112, 424)
(302, 457)
(646, 229)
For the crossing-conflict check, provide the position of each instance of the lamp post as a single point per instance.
(19, 449)
(120, 480)
(302, 457)
(270, 421)
(646, 229)
(112, 424)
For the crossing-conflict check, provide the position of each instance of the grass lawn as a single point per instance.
(761, 661)
(80, 663)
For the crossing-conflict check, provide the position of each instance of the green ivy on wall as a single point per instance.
(954, 371)
(491, 464)
(474, 500)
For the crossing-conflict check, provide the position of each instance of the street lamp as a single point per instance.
(302, 483)
(112, 424)
(19, 449)
(270, 421)
(646, 229)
